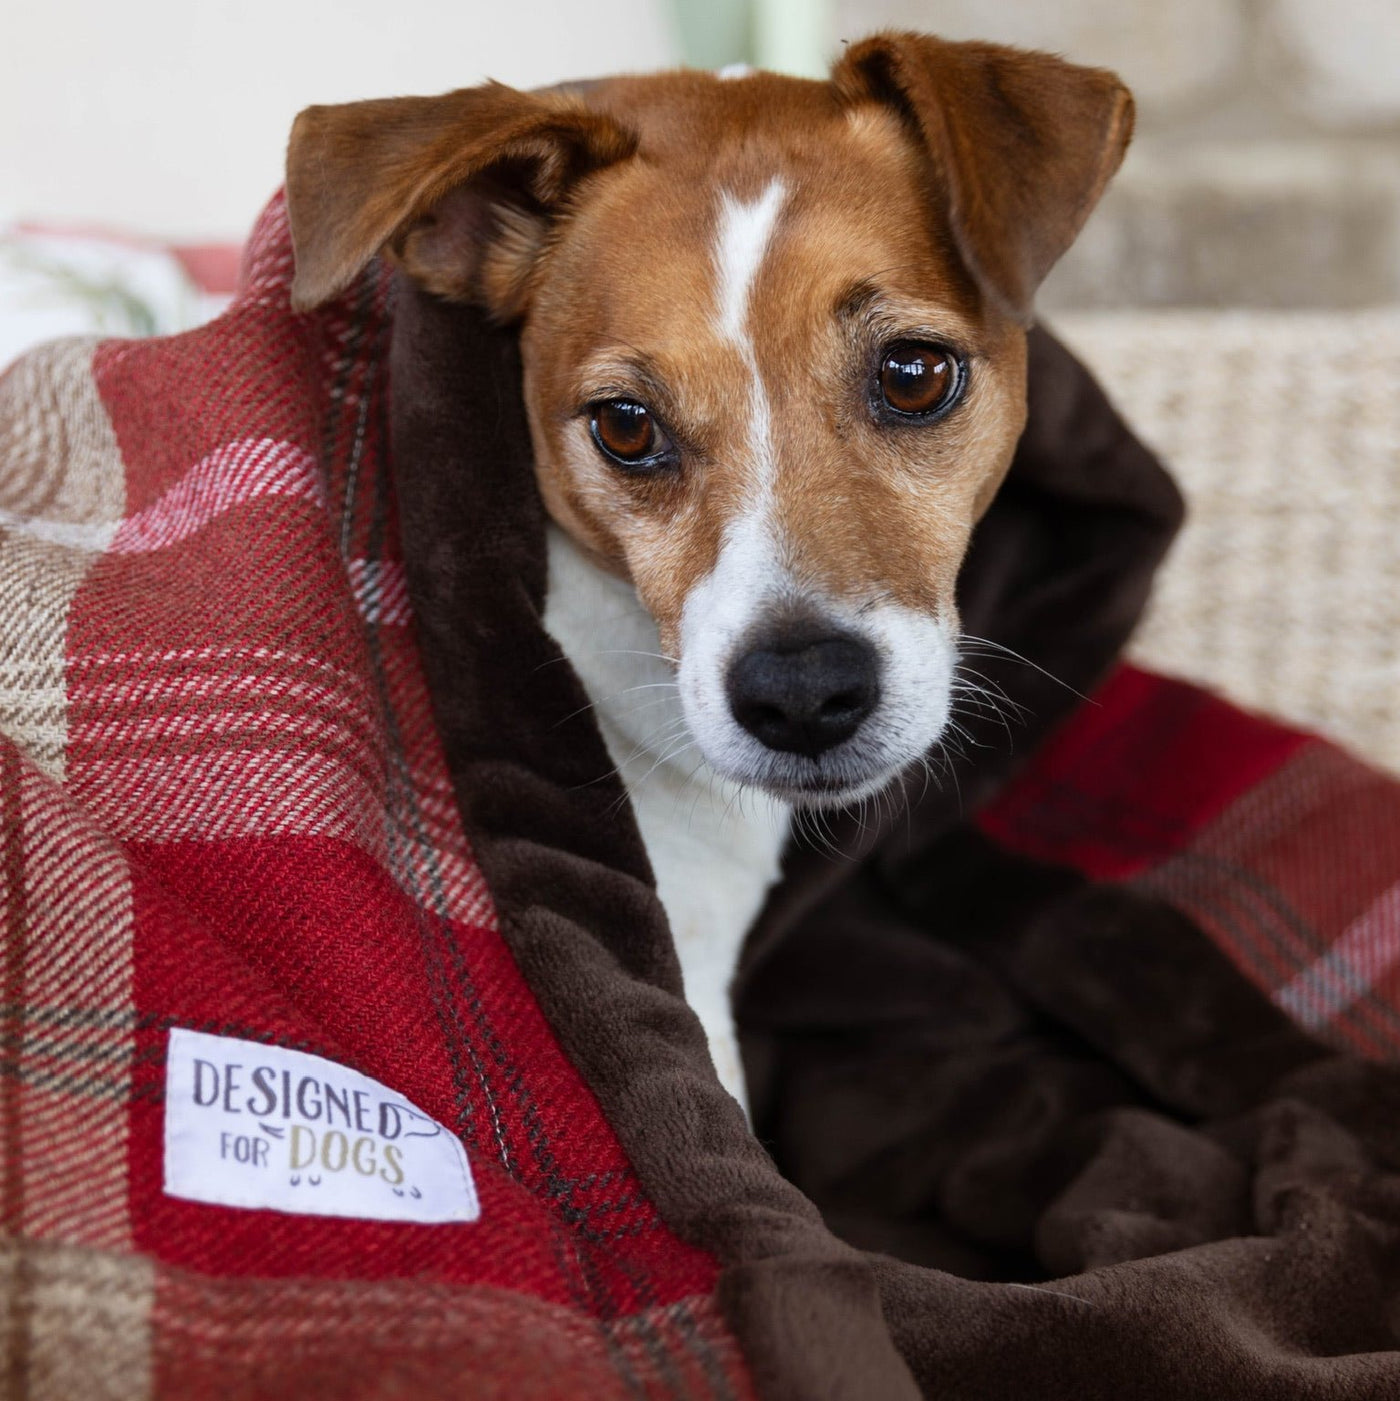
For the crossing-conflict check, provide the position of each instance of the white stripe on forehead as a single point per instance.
(741, 240)
(722, 607)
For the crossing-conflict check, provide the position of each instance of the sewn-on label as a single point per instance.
(250, 1125)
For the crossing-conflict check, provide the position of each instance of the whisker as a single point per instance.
(983, 695)
(618, 695)
(633, 652)
(1004, 650)
(953, 774)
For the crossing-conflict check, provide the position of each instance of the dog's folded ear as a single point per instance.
(1022, 145)
(459, 188)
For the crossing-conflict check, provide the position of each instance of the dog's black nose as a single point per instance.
(806, 696)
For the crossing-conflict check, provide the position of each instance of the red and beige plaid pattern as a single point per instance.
(1284, 848)
(223, 806)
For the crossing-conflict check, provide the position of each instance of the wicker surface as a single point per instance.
(1284, 431)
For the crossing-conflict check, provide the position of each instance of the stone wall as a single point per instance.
(1266, 169)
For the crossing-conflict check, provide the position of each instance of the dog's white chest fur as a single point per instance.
(714, 848)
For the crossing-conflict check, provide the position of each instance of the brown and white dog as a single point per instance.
(773, 338)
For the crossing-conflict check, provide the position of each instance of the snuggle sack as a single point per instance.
(343, 1041)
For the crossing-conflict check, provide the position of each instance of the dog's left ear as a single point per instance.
(459, 189)
(1022, 143)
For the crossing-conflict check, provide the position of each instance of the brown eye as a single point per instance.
(626, 431)
(919, 379)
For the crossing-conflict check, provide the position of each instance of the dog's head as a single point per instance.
(773, 336)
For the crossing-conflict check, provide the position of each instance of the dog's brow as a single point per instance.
(856, 300)
(622, 372)
(863, 304)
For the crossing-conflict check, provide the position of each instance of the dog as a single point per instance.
(773, 334)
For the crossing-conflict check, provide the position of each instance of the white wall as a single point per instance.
(170, 116)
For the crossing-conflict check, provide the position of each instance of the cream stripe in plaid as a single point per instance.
(69, 950)
(86, 1318)
(1284, 431)
(77, 1022)
(214, 743)
(1366, 951)
(237, 472)
(62, 493)
(89, 1336)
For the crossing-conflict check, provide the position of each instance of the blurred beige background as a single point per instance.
(1266, 172)
(171, 116)
(1266, 168)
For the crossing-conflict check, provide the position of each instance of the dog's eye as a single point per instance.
(625, 431)
(919, 380)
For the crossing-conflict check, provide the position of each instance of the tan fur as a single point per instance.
(928, 188)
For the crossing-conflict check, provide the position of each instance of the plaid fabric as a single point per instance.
(223, 807)
(1284, 848)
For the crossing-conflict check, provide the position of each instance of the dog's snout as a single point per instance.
(807, 696)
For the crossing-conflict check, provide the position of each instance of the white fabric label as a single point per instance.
(260, 1126)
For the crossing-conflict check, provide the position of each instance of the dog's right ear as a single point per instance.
(1022, 143)
(458, 188)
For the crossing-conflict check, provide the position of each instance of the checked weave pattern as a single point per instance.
(223, 806)
(1284, 848)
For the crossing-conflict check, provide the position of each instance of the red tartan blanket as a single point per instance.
(1285, 849)
(225, 808)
